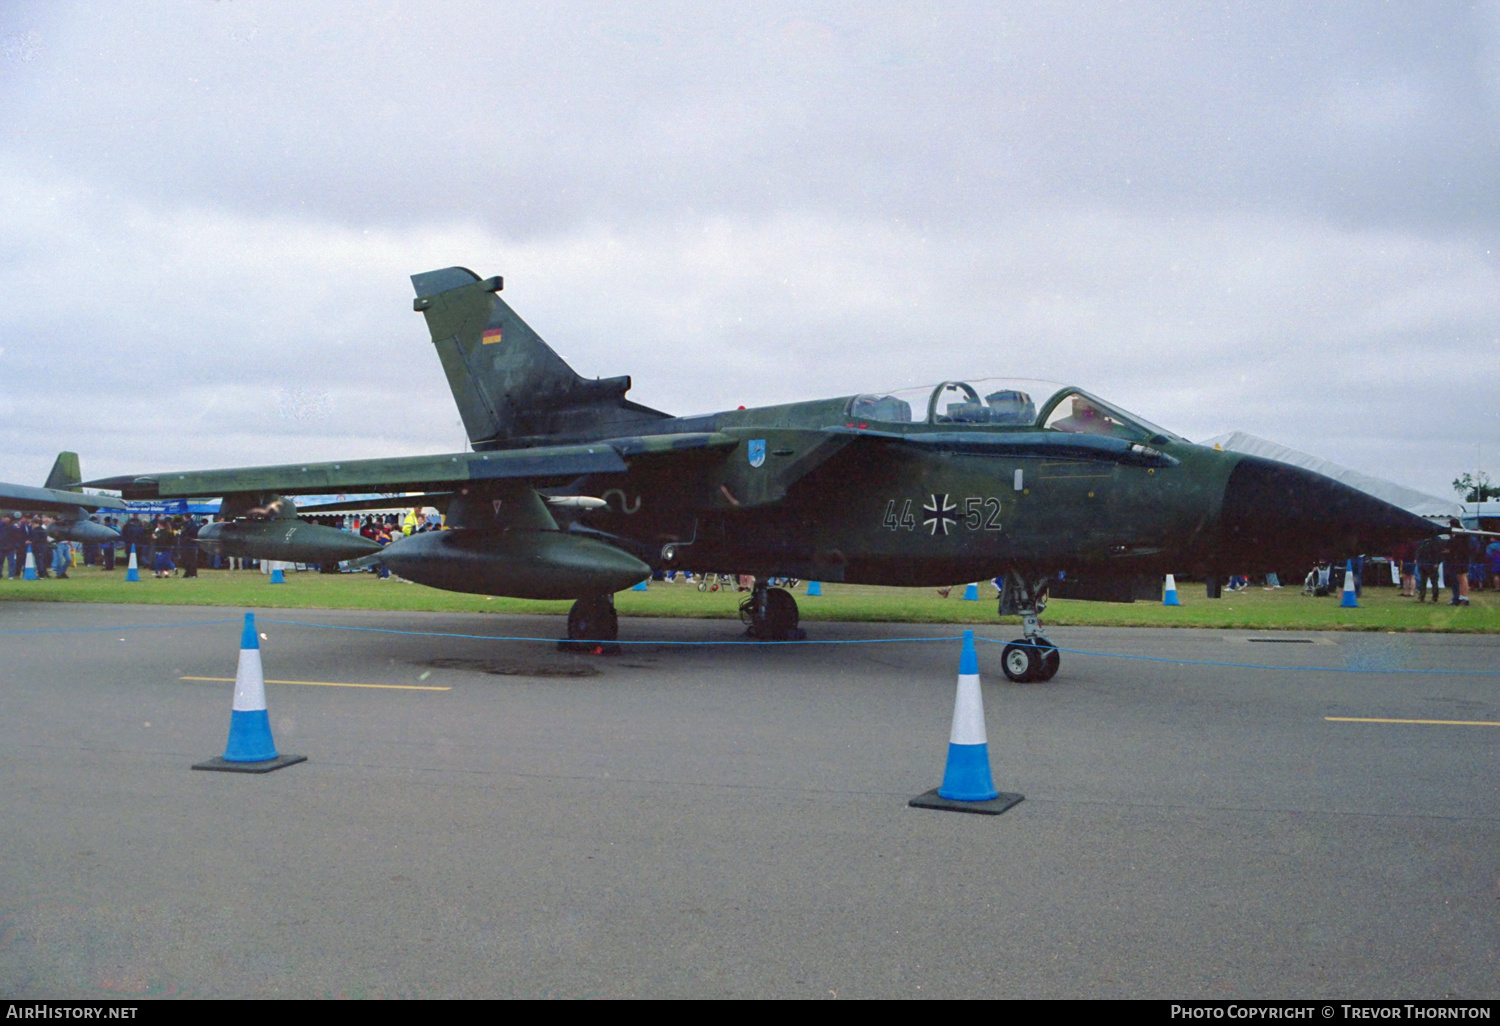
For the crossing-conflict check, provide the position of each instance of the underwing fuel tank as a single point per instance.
(514, 564)
(85, 531)
(292, 540)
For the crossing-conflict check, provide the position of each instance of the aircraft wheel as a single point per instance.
(1022, 661)
(593, 619)
(780, 620)
(781, 614)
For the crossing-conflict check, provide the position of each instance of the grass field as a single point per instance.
(1381, 609)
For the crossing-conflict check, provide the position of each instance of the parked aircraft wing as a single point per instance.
(414, 473)
(24, 497)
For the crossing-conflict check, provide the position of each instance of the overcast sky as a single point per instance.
(1280, 218)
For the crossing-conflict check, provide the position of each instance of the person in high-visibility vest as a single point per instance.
(411, 523)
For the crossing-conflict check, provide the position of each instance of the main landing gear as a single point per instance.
(1033, 658)
(593, 626)
(770, 614)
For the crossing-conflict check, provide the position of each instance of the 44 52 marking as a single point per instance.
(976, 512)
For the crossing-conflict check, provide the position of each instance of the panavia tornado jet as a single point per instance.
(62, 495)
(572, 491)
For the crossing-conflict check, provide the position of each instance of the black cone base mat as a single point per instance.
(224, 766)
(993, 807)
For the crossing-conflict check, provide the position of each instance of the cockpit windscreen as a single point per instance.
(1002, 402)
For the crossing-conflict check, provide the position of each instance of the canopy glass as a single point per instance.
(1004, 402)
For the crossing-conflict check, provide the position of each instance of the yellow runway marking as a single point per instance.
(1440, 723)
(328, 684)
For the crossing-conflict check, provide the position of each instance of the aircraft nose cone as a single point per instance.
(1277, 515)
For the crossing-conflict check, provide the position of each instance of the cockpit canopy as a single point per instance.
(1004, 402)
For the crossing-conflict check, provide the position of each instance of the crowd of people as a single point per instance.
(162, 544)
(1461, 561)
(18, 531)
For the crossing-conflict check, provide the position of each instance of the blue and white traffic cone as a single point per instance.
(643, 586)
(132, 569)
(967, 785)
(29, 573)
(1350, 600)
(251, 748)
(814, 589)
(277, 577)
(971, 593)
(1169, 596)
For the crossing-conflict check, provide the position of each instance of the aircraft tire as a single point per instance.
(1021, 661)
(780, 623)
(593, 619)
(781, 614)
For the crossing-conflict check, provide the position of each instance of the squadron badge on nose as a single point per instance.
(757, 452)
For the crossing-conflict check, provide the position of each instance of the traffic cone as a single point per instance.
(967, 784)
(251, 748)
(1350, 600)
(971, 593)
(643, 586)
(132, 569)
(814, 589)
(277, 576)
(1169, 596)
(29, 574)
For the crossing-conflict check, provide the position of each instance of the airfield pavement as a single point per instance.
(733, 821)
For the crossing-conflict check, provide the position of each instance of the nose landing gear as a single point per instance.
(1033, 658)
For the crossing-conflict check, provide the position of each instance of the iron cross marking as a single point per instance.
(939, 515)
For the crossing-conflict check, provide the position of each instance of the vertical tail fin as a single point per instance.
(507, 382)
(65, 476)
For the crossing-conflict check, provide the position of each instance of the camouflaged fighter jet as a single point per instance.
(574, 491)
(63, 496)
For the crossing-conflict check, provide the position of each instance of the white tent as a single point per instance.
(1409, 499)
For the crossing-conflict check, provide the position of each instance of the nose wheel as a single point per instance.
(1034, 658)
(1027, 662)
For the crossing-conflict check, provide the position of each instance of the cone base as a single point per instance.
(225, 766)
(993, 807)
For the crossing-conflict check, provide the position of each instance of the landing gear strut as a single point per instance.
(1034, 657)
(770, 614)
(593, 627)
